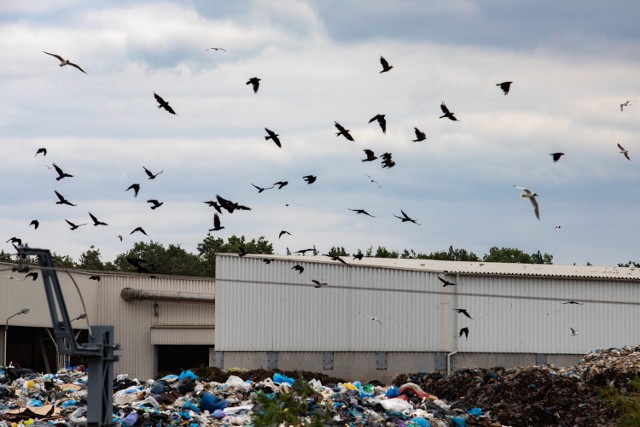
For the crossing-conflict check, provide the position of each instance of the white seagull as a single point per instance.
(375, 318)
(531, 196)
(574, 332)
(624, 151)
(64, 62)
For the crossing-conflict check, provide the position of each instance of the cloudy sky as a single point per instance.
(572, 63)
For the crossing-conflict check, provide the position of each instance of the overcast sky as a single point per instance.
(572, 64)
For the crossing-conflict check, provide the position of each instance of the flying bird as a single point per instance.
(64, 62)
(273, 136)
(230, 206)
(556, 156)
(74, 226)
(361, 211)
(373, 180)
(448, 114)
(261, 189)
(15, 241)
(344, 132)
(370, 155)
(163, 104)
(150, 174)
(505, 86)
(463, 311)
(358, 256)
(282, 233)
(624, 152)
(266, 260)
(280, 184)
(216, 49)
(625, 104)
(94, 277)
(464, 331)
(33, 275)
(532, 197)
(382, 121)
(214, 205)
(304, 251)
(140, 230)
(42, 150)
(420, 136)
(95, 220)
(375, 319)
(385, 65)
(318, 284)
(336, 258)
(574, 332)
(216, 223)
(573, 302)
(62, 200)
(242, 251)
(119, 236)
(61, 173)
(405, 217)
(155, 204)
(255, 82)
(310, 179)
(35, 224)
(446, 282)
(135, 187)
(298, 268)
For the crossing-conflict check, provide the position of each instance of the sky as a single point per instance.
(571, 63)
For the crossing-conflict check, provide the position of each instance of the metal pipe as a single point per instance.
(6, 332)
(449, 362)
(130, 294)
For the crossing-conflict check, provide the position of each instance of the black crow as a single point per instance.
(35, 224)
(74, 226)
(42, 150)
(298, 268)
(282, 233)
(95, 220)
(361, 211)
(344, 132)
(135, 187)
(464, 331)
(139, 229)
(556, 156)
(61, 173)
(463, 311)
(150, 174)
(62, 200)
(405, 217)
(385, 65)
(381, 121)
(448, 114)
(273, 136)
(255, 82)
(420, 136)
(370, 155)
(216, 223)
(155, 204)
(281, 184)
(505, 86)
(310, 179)
(163, 104)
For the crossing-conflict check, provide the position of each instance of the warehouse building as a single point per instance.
(370, 319)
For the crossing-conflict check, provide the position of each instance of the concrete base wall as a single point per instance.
(367, 366)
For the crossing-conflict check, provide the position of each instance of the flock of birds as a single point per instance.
(221, 204)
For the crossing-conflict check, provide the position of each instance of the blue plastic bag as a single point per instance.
(393, 392)
(210, 402)
(279, 379)
(475, 411)
(187, 374)
(419, 422)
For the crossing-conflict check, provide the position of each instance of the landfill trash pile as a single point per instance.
(530, 396)
(539, 395)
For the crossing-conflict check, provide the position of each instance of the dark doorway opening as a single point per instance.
(178, 358)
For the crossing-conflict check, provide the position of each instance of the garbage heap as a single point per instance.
(540, 395)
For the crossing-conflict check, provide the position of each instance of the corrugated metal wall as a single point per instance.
(269, 307)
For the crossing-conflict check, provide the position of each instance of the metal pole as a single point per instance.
(6, 332)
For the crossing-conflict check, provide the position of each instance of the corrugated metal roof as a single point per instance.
(476, 268)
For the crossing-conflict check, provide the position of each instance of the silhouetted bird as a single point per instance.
(155, 204)
(625, 104)
(230, 206)
(370, 155)
(505, 86)
(574, 332)
(420, 136)
(344, 132)
(266, 260)
(463, 311)
(74, 226)
(61, 173)
(310, 179)
(373, 180)
(358, 256)
(33, 275)
(64, 62)
(242, 251)
(448, 114)
(318, 284)
(381, 121)
(298, 268)
(163, 104)
(361, 211)
(304, 251)
(556, 156)
(388, 163)
(464, 331)
(214, 205)
(336, 258)
(532, 197)
(62, 200)
(42, 150)
(385, 65)
(405, 217)
(140, 230)
(261, 189)
(15, 241)
(94, 277)
(282, 233)
(446, 282)
(216, 223)
(624, 152)
(573, 302)
(273, 136)
(35, 224)
(95, 220)
(281, 184)
(150, 174)
(216, 49)
(135, 187)
(255, 82)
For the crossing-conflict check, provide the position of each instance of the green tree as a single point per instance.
(63, 261)
(338, 251)
(382, 252)
(513, 255)
(155, 258)
(90, 260)
(5, 256)
(454, 255)
(210, 246)
(630, 264)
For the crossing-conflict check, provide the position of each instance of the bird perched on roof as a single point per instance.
(282, 233)
(382, 121)
(62, 200)
(505, 86)
(139, 230)
(405, 217)
(255, 82)
(361, 211)
(61, 173)
(163, 104)
(532, 197)
(95, 220)
(344, 132)
(281, 184)
(385, 65)
(155, 204)
(273, 136)
(64, 62)
(556, 156)
(310, 179)
(370, 155)
(74, 226)
(135, 188)
(298, 268)
(150, 174)
(35, 224)
(420, 136)
(463, 311)
(42, 151)
(624, 152)
(448, 114)
(216, 223)
(464, 331)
